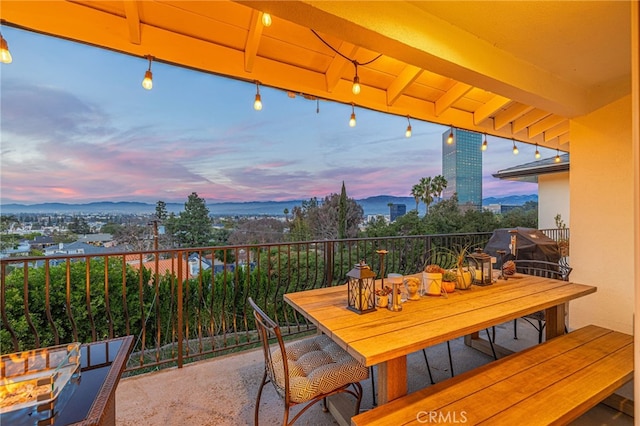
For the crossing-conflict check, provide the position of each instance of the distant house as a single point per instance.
(163, 266)
(75, 248)
(96, 239)
(41, 242)
(553, 186)
(23, 249)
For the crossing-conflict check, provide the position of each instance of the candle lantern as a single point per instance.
(360, 289)
(481, 263)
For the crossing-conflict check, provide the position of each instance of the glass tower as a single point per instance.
(462, 167)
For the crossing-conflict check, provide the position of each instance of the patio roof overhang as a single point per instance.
(511, 69)
(529, 172)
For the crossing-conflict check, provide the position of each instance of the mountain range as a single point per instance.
(372, 206)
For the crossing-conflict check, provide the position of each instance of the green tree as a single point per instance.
(439, 184)
(110, 228)
(192, 228)
(79, 225)
(427, 192)
(161, 211)
(342, 213)
(525, 216)
(416, 192)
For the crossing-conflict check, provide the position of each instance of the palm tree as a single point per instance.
(427, 192)
(439, 185)
(416, 193)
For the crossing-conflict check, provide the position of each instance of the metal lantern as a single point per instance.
(361, 289)
(481, 263)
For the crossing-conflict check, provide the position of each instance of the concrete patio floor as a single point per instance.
(222, 391)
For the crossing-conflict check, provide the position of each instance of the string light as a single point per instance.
(356, 81)
(266, 19)
(537, 152)
(450, 138)
(5, 55)
(257, 103)
(408, 132)
(352, 120)
(515, 148)
(485, 145)
(147, 82)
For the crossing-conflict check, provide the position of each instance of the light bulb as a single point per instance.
(515, 148)
(484, 145)
(352, 121)
(537, 154)
(147, 82)
(5, 55)
(557, 159)
(450, 138)
(408, 132)
(356, 85)
(266, 19)
(257, 104)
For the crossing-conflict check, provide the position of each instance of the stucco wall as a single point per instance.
(553, 199)
(602, 216)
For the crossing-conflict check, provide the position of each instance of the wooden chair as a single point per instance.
(307, 370)
(540, 268)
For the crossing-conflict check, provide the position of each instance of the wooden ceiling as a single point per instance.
(511, 69)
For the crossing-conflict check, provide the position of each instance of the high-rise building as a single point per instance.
(397, 210)
(462, 166)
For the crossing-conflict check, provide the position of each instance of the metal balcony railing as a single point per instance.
(186, 304)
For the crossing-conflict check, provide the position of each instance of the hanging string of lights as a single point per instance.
(356, 80)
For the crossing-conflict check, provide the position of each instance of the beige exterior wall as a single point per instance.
(602, 216)
(635, 93)
(553, 199)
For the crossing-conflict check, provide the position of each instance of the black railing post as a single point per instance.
(328, 264)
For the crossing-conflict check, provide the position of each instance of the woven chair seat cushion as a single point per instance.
(536, 316)
(317, 365)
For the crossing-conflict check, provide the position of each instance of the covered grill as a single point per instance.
(530, 244)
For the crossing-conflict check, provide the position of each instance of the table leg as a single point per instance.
(554, 317)
(392, 379)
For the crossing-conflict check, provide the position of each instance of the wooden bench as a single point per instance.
(551, 383)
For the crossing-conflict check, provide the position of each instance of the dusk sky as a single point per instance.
(77, 126)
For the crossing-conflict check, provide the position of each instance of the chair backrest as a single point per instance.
(267, 330)
(540, 268)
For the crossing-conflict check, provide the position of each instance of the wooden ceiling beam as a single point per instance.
(445, 101)
(486, 110)
(133, 21)
(527, 120)
(514, 111)
(397, 87)
(253, 40)
(545, 124)
(339, 64)
(556, 131)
